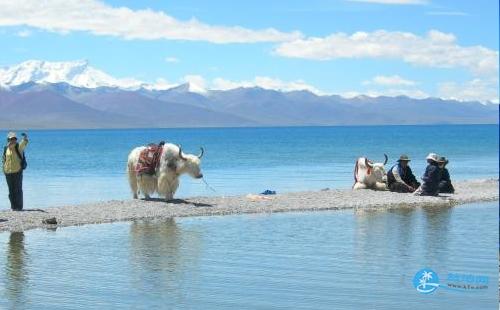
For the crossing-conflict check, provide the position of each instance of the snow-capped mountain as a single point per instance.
(80, 74)
(188, 87)
(39, 94)
(75, 73)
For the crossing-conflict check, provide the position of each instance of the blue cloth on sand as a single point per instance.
(268, 192)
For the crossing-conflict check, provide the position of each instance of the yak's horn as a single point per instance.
(367, 163)
(202, 151)
(180, 153)
(386, 159)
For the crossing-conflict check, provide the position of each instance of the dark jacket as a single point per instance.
(445, 185)
(445, 175)
(431, 179)
(405, 173)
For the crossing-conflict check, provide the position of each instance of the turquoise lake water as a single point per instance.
(78, 166)
(312, 260)
(316, 260)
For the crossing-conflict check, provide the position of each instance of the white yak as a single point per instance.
(173, 163)
(368, 174)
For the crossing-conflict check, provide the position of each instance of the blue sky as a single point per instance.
(418, 48)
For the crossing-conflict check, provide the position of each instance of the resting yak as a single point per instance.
(368, 174)
(165, 179)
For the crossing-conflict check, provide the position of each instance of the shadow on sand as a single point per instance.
(33, 210)
(179, 201)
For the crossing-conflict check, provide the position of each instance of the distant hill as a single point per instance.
(61, 105)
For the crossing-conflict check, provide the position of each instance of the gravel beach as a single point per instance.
(327, 199)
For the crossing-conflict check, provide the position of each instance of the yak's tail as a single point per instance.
(132, 179)
(355, 173)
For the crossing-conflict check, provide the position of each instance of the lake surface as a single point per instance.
(79, 166)
(317, 260)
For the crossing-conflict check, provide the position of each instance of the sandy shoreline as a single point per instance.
(332, 199)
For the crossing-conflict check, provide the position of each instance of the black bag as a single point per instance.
(24, 163)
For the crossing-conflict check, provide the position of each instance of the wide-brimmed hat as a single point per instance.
(11, 135)
(404, 157)
(442, 160)
(433, 157)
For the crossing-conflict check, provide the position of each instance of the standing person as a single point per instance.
(445, 185)
(13, 165)
(400, 178)
(432, 175)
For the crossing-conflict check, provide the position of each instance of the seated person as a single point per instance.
(431, 178)
(445, 185)
(400, 178)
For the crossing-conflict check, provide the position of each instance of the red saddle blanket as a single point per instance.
(149, 159)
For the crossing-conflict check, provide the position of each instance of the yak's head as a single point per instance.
(191, 163)
(173, 160)
(377, 169)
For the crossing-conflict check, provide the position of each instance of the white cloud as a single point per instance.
(160, 84)
(171, 59)
(436, 49)
(223, 84)
(475, 90)
(350, 94)
(393, 80)
(391, 92)
(390, 86)
(99, 18)
(404, 2)
(23, 33)
(266, 83)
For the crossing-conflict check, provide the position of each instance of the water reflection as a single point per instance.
(376, 229)
(407, 234)
(436, 230)
(163, 256)
(16, 274)
(404, 222)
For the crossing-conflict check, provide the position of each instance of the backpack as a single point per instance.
(24, 164)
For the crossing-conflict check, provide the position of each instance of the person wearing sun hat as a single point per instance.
(431, 177)
(13, 165)
(400, 178)
(445, 185)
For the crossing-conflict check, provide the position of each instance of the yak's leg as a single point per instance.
(169, 193)
(169, 196)
(147, 185)
(359, 186)
(174, 184)
(173, 187)
(167, 187)
(380, 186)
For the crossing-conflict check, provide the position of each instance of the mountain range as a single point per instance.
(37, 94)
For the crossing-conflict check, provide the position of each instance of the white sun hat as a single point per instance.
(433, 157)
(11, 135)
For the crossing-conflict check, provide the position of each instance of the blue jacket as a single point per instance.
(431, 179)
